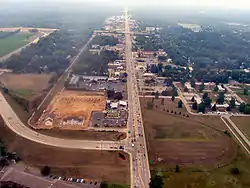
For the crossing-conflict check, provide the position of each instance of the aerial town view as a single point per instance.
(118, 95)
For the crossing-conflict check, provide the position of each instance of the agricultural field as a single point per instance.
(235, 174)
(243, 123)
(87, 164)
(192, 140)
(25, 85)
(205, 155)
(71, 110)
(14, 42)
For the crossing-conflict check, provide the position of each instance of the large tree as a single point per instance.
(179, 104)
(201, 107)
(221, 98)
(195, 106)
(156, 182)
(232, 103)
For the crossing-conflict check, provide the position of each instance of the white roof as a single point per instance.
(148, 74)
(114, 105)
(222, 105)
(124, 103)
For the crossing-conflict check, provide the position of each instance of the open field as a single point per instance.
(71, 110)
(85, 135)
(13, 42)
(25, 85)
(243, 123)
(192, 140)
(217, 178)
(240, 92)
(93, 165)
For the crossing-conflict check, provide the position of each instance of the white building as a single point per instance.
(188, 86)
(220, 88)
(114, 105)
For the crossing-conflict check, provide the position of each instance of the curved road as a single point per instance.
(16, 125)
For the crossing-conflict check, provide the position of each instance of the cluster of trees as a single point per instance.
(220, 76)
(105, 40)
(244, 108)
(212, 51)
(114, 95)
(50, 54)
(95, 64)
(175, 73)
(5, 156)
(5, 34)
(206, 103)
(10, 184)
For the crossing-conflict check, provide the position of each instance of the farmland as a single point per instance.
(243, 123)
(13, 42)
(192, 140)
(197, 144)
(25, 85)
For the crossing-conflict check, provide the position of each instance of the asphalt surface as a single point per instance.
(140, 165)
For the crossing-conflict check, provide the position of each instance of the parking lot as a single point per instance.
(103, 85)
(99, 119)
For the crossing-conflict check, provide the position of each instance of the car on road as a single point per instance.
(121, 147)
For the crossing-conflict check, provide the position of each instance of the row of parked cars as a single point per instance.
(76, 180)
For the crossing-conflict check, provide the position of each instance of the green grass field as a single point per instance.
(14, 42)
(211, 178)
(23, 93)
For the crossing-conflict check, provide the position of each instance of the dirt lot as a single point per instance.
(243, 123)
(95, 165)
(192, 140)
(75, 105)
(25, 85)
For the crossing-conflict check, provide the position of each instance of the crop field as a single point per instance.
(71, 110)
(243, 123)
(25, 85)
(174, 137)
(9, 44)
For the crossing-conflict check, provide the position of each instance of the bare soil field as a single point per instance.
(71, 110)
(174, 138)
(88, 164)
(243, 123)
(71, 134)
(25, 85)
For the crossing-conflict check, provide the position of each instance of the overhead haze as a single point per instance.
(238, 4)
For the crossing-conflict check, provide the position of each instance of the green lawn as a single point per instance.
(13, 42)
(24, 93)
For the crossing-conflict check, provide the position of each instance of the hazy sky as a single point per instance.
(243, 4)
(224, 3)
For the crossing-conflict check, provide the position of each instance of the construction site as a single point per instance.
(71, 110)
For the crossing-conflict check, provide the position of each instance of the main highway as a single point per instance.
(140, 172)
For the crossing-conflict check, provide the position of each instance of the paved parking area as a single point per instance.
(98, 120)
